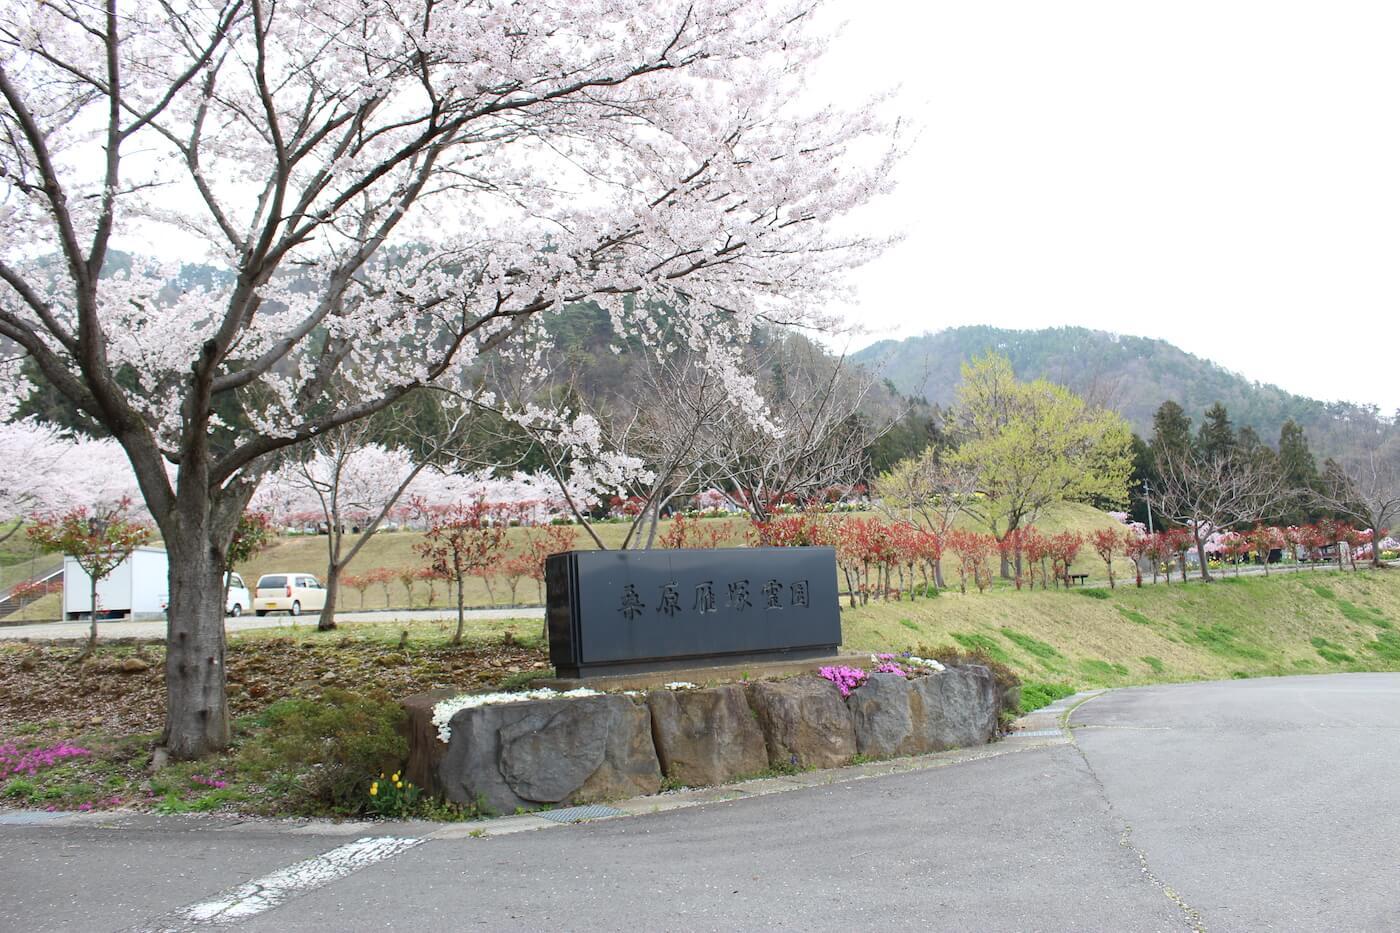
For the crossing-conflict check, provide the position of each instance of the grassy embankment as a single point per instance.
(1295, 623)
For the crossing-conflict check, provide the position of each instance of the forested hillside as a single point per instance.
(1131, 374)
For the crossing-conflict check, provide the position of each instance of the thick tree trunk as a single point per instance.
(938, 574)
(196, 704)
(1200, 556)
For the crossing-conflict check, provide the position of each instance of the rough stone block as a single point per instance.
(576, 750)
(805, 722)
(883, 721)
(425, 752)
(706, 736)
(955, 708)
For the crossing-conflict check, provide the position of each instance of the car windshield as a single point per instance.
(271, 581)
(235, 581)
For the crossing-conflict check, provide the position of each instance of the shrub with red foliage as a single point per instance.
(1107, 542)
(691, 533)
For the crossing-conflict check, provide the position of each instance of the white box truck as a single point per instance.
(135, 590)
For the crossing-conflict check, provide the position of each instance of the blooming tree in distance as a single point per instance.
(385, 193)
(42, 470)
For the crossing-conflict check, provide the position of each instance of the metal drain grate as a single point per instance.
(580, 814)
(1038, 732)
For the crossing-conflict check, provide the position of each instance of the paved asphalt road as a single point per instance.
(156, 628)
(1247, 805)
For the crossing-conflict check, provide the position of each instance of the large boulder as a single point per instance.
(955, 708)
(805, 722)
(706, 736)
(577, 750)
(881, 716)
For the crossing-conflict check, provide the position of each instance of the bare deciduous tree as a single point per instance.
(1365, 485)
(1207, 494)
(813, 438)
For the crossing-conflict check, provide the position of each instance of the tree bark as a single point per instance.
(461, 613)
(92, 615)
(1200, 555)
(196, 704)
(327, 620)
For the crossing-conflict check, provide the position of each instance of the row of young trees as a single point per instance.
(880, 559)
(1221, 481)
(1161, 550)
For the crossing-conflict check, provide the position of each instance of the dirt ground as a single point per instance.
(120, 690)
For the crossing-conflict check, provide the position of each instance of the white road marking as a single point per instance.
(267, 892)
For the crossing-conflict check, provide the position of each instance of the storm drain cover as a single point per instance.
(1040, 732)
(580, 814)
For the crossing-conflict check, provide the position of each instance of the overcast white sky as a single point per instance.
(1224, 175)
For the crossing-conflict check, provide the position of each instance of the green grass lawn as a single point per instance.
(1309, 622)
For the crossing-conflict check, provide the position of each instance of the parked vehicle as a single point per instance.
(292, 593)
(135, 589)
(239, 599)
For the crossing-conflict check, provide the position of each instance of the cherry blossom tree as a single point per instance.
(386, 193)
(353, 485)
(45, 471)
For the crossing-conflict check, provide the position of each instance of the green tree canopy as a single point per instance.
(1217, 436)
(1033, 444)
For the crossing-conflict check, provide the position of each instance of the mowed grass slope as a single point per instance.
(1309, 622)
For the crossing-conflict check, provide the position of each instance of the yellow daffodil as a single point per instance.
(395, 777)
(399, 784)
(374, 789)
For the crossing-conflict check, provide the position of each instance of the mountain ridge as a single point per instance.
(1133, 375)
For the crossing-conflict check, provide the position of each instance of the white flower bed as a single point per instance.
(446, 709)
(925, 662)
(680, 685)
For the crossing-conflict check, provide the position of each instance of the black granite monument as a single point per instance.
(618, 612)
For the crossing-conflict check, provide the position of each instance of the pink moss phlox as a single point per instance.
(889, 667)
(31, 762)
(845, 678)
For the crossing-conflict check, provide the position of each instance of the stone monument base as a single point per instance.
(704, 675)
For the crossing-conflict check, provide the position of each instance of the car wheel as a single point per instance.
(237, 610)
(261, 613)
(296, 609)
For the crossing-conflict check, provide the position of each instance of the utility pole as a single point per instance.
(1147, 498)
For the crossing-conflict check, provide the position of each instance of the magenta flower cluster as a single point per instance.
(889, 667)
(87, 805)
(845, 678)
(215, 781)
(14, 761)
